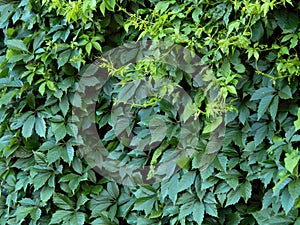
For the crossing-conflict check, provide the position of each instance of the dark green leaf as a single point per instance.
(263, 105)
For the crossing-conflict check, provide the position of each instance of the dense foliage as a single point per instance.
(252, 49)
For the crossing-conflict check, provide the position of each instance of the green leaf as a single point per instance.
(211, 209)
(261, 93)
(63, 202)
(46, 193)
(198, 212)
(42, 88)
(260, 135)
(59, 130)
(158, 129)
(233, 197)
(22, 212)
(287, 201)
(213, 125)
(16, 45)
(294, 189)
(64, 105)
(145, 204)
(274, 107)
(59, 216)
(189, 110)
(246, 190)
(196, 14)
(53, 154)
(220, 162)
(186, 181)
(185, 210)
(113, 190)
(70, 153)
(78, 218)
(257, 31)
(40, 126)
(5, 99)
(28, 126)
(64, 57)
(110, 4)
(287, 20)
(263, 105)
(40, 179)
(240, 68)
(285, 92)
(173, 191)
(38, 40)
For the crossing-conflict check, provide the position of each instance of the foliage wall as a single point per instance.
(252, 48)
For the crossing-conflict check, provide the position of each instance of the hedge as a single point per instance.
(247, 55)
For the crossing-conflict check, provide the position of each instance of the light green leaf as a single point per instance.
(42, 88)
(97, 46)
(162, 6)
(211, 209)
(51, 85)
(88, 48)
(297, 122)
(231, 89)
(291, 160)
(110, 4)
(102, 8)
